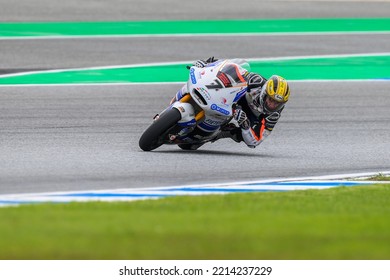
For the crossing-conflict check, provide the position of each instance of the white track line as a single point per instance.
(286, 184)
(249, 34)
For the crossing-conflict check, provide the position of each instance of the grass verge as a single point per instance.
(337, 223)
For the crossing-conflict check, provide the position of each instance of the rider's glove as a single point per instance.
(203, 63)
(211, 59)
(240, 116)
(200, 63)
(254, 81)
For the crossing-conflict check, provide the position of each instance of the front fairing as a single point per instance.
(217, 87)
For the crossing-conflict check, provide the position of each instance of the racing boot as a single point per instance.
(230, 131)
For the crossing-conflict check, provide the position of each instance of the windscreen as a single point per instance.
(230, 75)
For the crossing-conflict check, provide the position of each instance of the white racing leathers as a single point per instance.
(261, 124)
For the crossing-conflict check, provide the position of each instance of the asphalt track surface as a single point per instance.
(86, 137)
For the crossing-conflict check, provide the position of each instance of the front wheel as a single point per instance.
(154, 135)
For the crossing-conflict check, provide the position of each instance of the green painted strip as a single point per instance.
(339, 68)
(134, 28)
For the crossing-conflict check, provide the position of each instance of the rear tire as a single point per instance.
(153, 136)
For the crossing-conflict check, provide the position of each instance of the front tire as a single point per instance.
(153, 136)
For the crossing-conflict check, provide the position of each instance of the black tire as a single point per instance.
(152, 137)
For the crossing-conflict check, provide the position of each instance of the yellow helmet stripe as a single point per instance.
(281, 90)
(285, 99)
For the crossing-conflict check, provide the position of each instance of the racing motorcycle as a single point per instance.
(202, 107)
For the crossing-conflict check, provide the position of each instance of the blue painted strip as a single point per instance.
(314, 184)
(129, 195)
(221, 190)
(296, 184)
(16, 202)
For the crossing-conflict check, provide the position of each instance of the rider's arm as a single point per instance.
(255, 134)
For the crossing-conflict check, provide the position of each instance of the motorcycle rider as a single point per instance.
(258, 112)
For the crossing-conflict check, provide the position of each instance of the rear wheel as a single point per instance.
(154, 135)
